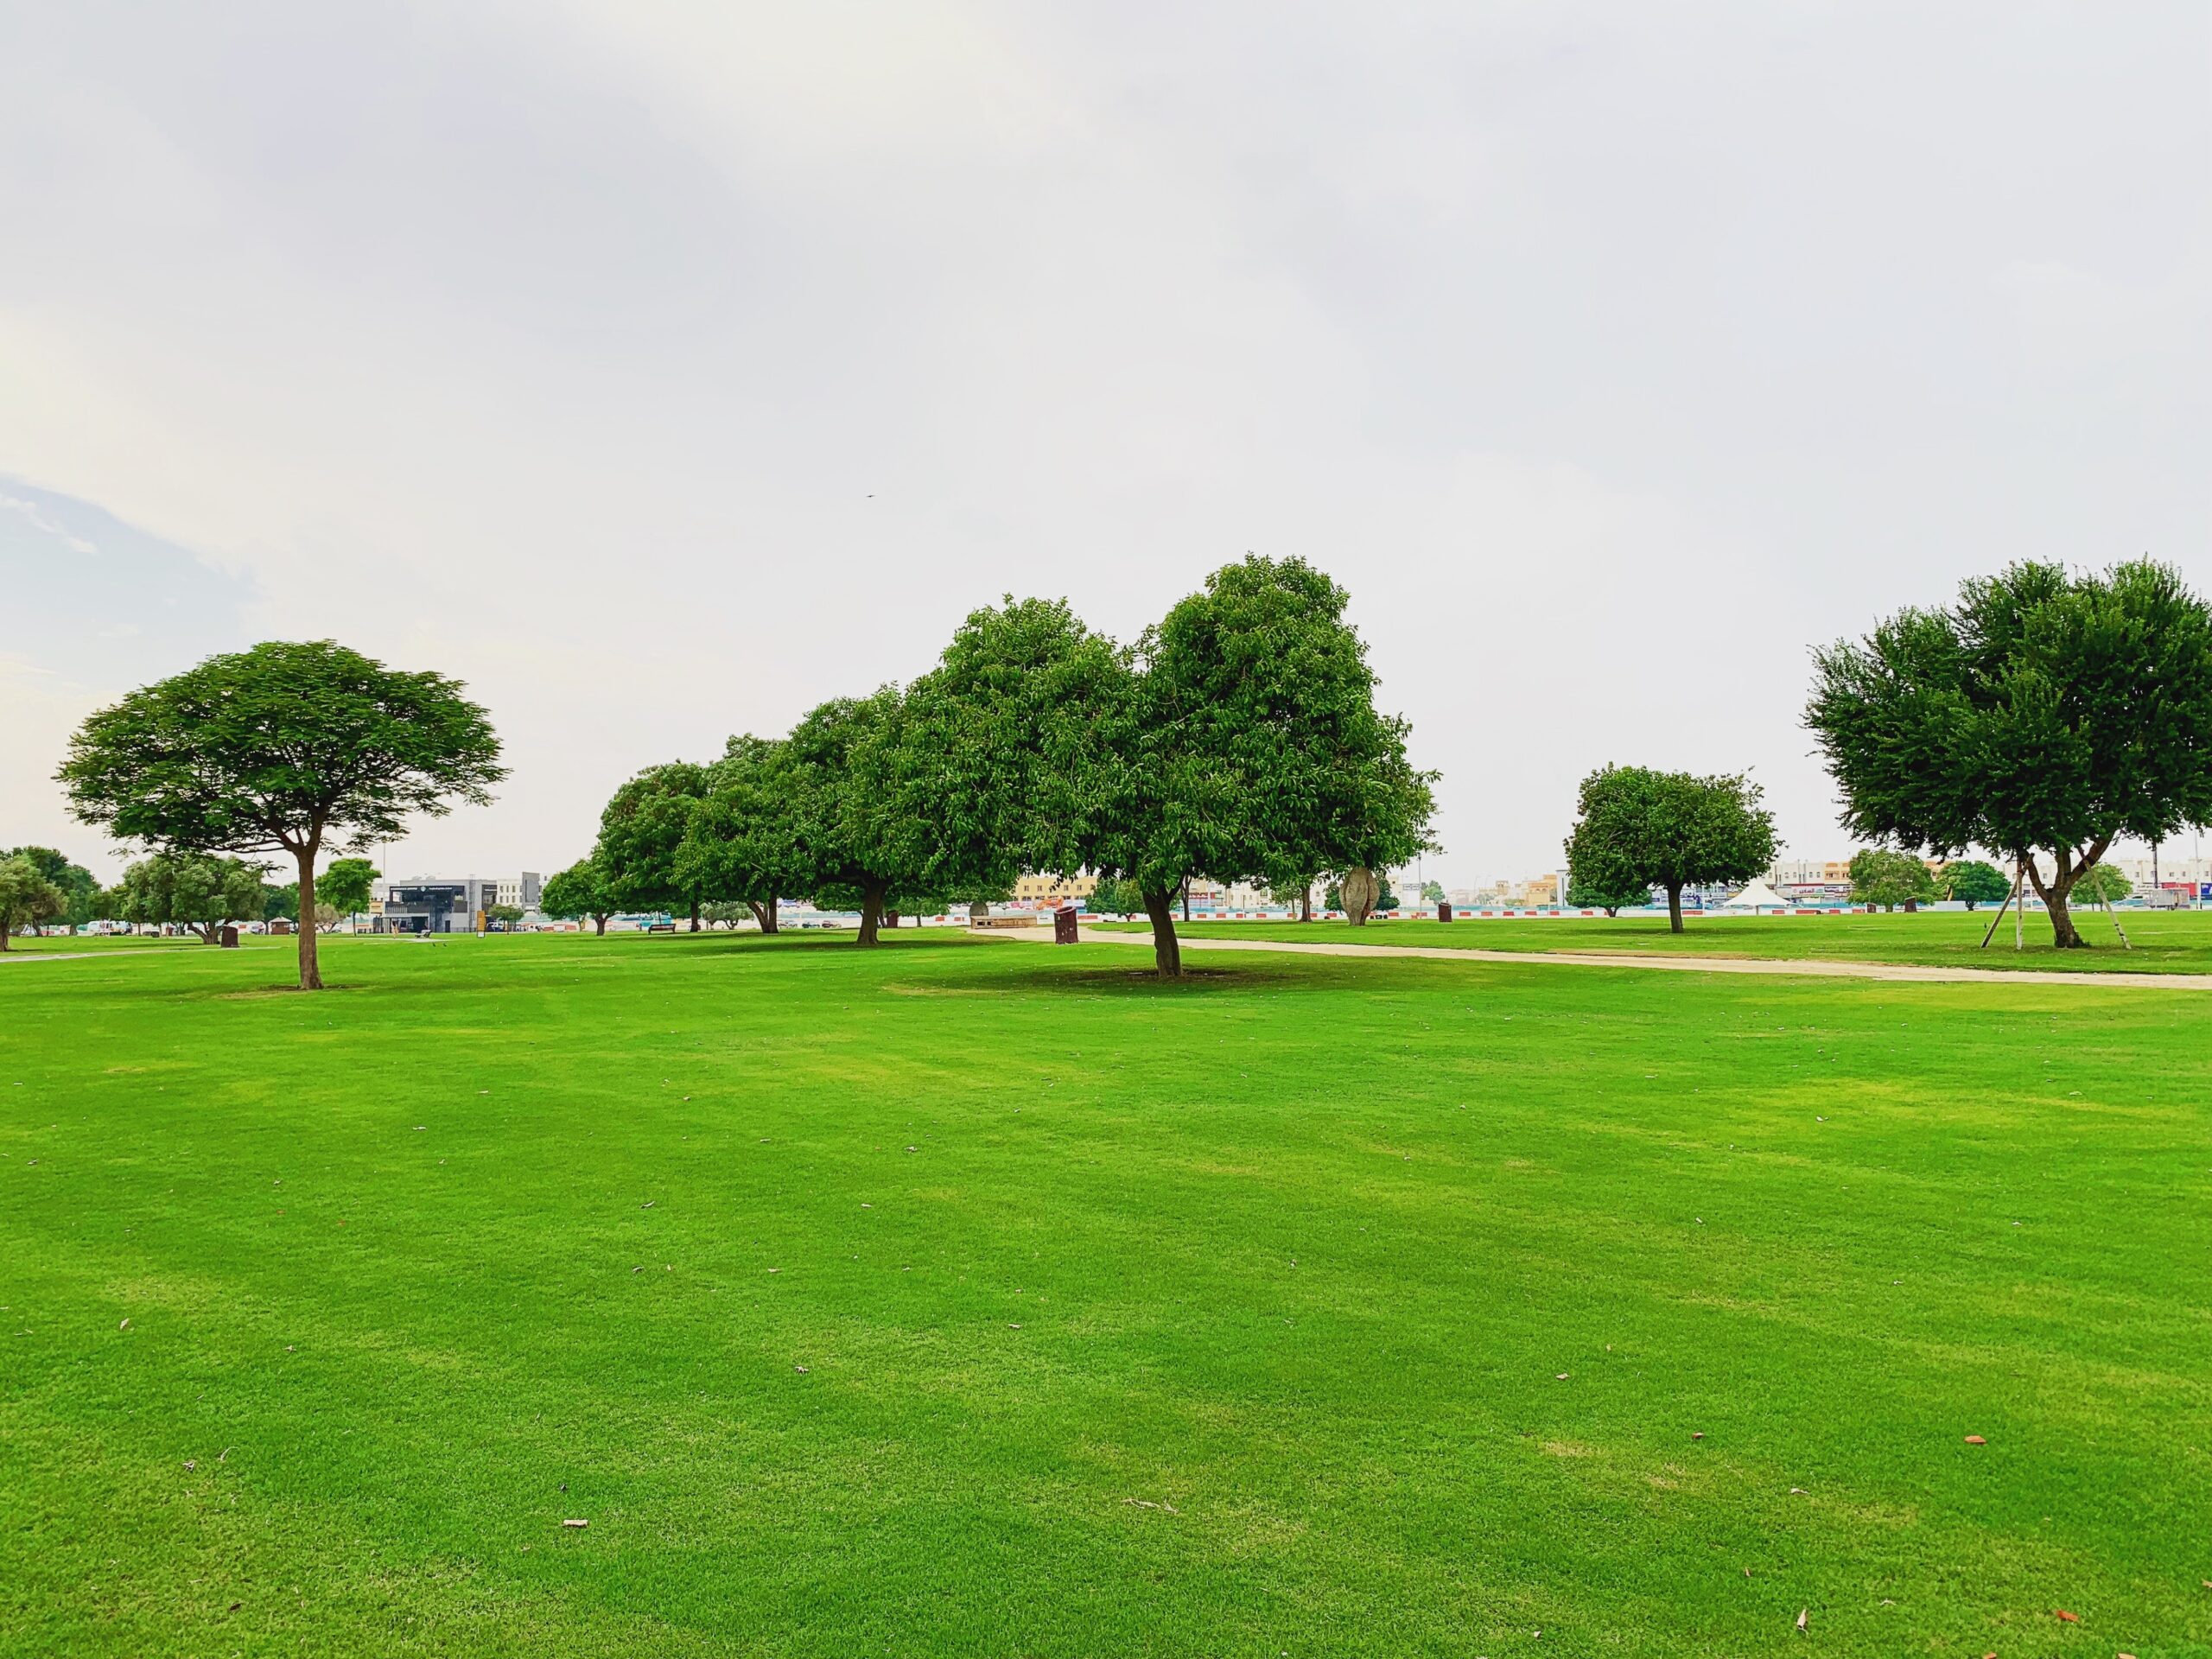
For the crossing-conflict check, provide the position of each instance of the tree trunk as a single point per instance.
(695, 913)
(311, 970)
(763, 914)
(872, 896)
(1305, 904)
(1674, 907)
(2066, 871)
(3, 934)
(1186, 908)
(1166, 950)
(599, 924)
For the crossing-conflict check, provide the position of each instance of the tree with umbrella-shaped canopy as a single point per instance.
(291, 746)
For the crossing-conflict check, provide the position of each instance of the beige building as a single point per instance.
(1050, 889)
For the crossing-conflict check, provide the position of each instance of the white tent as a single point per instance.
(1758, 896)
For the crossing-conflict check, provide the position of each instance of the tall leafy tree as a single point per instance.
(641, 834)
(1972, 882)
(1243, 742)
(578, 891)
(988, 774)
(843, 763)
(26, 898)
(283, 747)
(348, 885)
(1638, 829)
(742, 843)
(80, 887)
(194, 890)
(2045, 713)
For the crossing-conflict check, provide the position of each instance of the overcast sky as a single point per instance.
(663, 369)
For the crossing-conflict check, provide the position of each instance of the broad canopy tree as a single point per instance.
(1239, 739)
(193, 890)
(641, 835)
(1637, 829)
(2042, 716)
(741, 844)
(1243, 743)
(841, 761)
(288, 747)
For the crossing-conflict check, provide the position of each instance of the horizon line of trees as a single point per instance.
(2042, 716)
(1236, 740)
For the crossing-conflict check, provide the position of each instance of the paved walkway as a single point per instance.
(1814, 969)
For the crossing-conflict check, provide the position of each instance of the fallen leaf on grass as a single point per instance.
(801, 1370)
(1697, 1434)
(1801, 1611)
(2067, 1618)
(1976, 1439)
(125, 1325)
(1562, 1377)
(191, 1464)
(576, 1524)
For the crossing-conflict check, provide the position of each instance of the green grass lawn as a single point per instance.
(985, 1298)
(2168, 942)
(59, 944)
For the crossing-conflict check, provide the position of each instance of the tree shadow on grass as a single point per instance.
(746, 945)
(1046, 980)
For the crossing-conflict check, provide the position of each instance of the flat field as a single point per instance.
(2162, 942)
(982, 1298)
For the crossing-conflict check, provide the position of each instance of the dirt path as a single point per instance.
(1808, 969)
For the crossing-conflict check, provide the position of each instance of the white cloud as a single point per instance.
(662, 369)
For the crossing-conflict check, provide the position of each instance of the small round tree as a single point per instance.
(285, 748)
(1972, 882)
(1881, 877)
(1638, 829)
(578, 891)
(2043, 713)
(26, 898)
(348, 886)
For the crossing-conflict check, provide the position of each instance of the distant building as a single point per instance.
(452, 904)
(1049, 889)
(521, 891)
